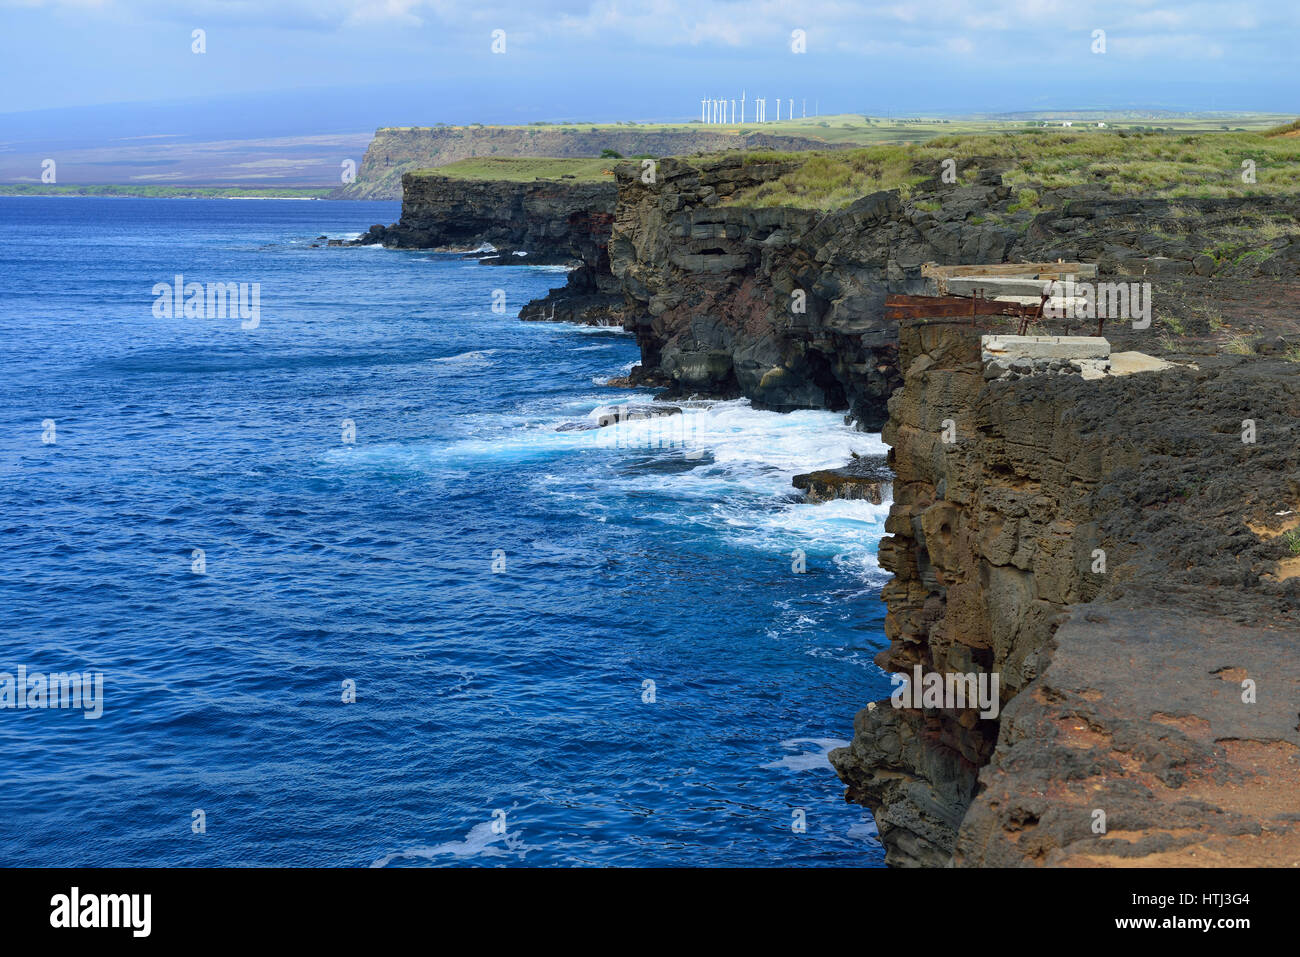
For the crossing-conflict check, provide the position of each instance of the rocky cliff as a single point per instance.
(786, 305)
(398, 150)
(1115, 552)
(781, 305)
(545, 221)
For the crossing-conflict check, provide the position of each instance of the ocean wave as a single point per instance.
(719, 469)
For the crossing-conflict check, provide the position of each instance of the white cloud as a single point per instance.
(1004, 25)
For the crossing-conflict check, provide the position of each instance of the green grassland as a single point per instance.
(167, 192)
(1188, 162)
(522, 169)
(1204, 164)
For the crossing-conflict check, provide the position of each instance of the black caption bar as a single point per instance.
(332, 907)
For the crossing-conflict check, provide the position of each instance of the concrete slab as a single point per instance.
(1045, 347)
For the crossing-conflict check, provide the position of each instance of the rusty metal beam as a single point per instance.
(899, 307)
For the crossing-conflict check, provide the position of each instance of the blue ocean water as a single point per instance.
(499, 591)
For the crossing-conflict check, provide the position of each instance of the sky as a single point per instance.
(104, 73)
(608, 60)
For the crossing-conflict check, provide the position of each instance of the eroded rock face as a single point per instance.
(784, 306)
(544, 222)
(1087, 542)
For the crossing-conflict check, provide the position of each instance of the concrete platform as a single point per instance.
(1045, 347)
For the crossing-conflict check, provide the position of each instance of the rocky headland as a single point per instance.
(539, 222)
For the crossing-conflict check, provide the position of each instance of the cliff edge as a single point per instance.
(1118, 551)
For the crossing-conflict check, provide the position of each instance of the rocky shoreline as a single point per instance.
(1097, 532)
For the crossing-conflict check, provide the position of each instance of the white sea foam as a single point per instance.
(590, 330)
(806, 760)
(481, 841)
(476, 359)
(732, 478)
(741, 486)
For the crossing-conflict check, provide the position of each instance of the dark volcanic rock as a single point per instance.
(550, 221)
(865, 478)
(525, 224)
(739, 301)
(786, 306)
(540, 222)
(622, 413)
(1112, 551)
(591, 296)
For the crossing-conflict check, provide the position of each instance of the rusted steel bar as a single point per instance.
(937, 307)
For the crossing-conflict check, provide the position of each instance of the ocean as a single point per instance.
(364, 587)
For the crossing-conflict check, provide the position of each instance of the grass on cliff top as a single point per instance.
(1150, 164)
(524, 169)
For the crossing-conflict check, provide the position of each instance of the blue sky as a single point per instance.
(312, 63)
